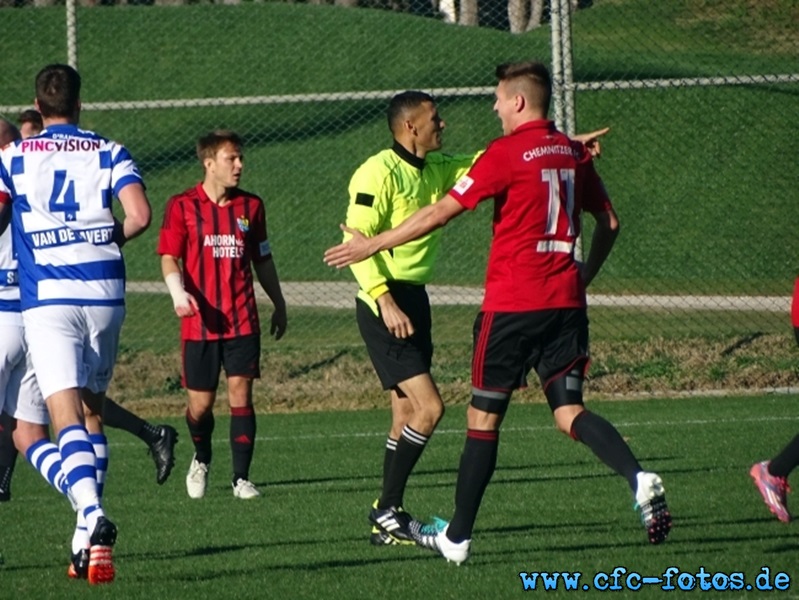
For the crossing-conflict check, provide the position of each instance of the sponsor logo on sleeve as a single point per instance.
(464, 183)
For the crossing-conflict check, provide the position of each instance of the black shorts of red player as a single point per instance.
(203, 361)
(508, 345)
(396, 360)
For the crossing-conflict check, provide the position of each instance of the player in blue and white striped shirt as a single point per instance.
(72, 276)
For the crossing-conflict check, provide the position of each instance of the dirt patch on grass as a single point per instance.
(330, 378)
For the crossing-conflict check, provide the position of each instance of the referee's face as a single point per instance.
(429, 125)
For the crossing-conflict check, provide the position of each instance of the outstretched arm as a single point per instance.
(591, 141)
(420, 223)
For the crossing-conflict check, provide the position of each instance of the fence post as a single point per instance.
(72, 35)
(562, 72)
(563, 78)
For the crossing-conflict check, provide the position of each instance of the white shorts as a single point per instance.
(73, 346)
(20, 396)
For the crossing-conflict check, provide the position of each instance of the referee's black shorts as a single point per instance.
(507, 345)
(395, 359)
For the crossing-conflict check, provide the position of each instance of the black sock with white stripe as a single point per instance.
(388, 458)
(409, 448)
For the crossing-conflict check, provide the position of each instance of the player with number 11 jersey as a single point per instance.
(541, 181)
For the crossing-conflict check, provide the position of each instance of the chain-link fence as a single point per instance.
(702, 97)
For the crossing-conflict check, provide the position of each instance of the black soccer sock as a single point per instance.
(409, 448)
(121, 418)
(8, 452)
(608, 446)
(201, 432)
(8, 455)
(785, 462)
(388, 458)
(478, 461)
(242, 440)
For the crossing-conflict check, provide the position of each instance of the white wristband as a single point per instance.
(174, 283)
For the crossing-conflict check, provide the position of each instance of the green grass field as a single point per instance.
(705, 186)
(551, 507)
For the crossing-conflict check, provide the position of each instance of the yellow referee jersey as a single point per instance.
(387, 189)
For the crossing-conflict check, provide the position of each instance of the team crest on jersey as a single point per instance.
(243, 223)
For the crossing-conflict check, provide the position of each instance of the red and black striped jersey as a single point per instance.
(540, 181)
(216, 246)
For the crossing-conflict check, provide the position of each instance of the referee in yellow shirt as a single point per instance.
(392, 308)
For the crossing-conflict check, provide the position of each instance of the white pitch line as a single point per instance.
(526, 429)
(341, 294)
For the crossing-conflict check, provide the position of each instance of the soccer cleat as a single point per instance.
(650, 501)
(197, 479)
(79, 565)
(381, 538)
(163, 453)
(101, 562)
(394, 522)
(773, 489)
(245, 489)
(434, 537)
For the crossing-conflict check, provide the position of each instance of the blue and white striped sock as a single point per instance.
(45, 458)
(80, 466)
(100, 445)
(80, 538)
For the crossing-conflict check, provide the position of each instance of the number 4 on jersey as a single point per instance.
(62, 198)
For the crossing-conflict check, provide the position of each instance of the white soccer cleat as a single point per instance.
(457, 553)
(245, 489)
(650, 501)
(197, 478)
(433, 537)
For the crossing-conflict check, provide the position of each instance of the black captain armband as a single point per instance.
(367, 200)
